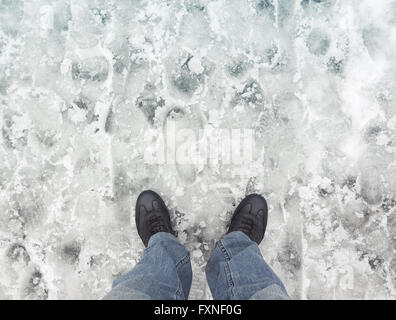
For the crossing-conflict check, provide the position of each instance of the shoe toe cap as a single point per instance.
(257, 203)
(146, 199)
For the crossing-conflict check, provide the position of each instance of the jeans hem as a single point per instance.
(183, 261)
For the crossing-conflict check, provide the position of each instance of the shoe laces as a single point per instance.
(156, 223)
(246, 224)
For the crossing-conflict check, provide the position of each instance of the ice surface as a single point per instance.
(82, 81)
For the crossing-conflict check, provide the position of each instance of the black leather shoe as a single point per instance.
(151, 216)
(250, 217)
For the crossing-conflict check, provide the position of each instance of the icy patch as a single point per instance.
(82, 82)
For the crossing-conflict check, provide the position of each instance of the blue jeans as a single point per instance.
(236, 270)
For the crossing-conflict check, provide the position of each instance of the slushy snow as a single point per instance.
(81, 82)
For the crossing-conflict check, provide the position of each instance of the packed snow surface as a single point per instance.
(83, 82)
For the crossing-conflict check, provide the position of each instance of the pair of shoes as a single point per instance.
(152, 216)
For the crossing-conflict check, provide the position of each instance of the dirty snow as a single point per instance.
(81, 82)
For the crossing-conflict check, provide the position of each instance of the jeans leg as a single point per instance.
(237, 271)
(163, 273)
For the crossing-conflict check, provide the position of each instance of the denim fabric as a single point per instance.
(164, 272)
(236, 270)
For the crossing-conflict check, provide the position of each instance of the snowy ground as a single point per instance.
(81, 81)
